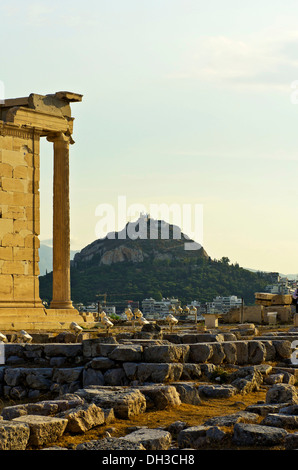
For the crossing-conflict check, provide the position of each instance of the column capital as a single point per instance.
(60, 137)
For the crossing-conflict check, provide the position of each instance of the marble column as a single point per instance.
(61, 223)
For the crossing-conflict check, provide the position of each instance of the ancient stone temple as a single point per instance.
(23, 122)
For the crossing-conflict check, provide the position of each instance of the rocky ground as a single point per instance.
(227, 407)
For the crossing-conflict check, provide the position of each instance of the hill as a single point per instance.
(46, 258)
(128, 268)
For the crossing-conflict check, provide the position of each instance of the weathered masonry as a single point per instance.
(23, 121)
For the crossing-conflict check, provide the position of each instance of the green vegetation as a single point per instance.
(162, 268)
(199, 278)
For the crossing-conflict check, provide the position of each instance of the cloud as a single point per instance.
(264, 60)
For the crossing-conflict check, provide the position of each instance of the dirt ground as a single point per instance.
(193, 415)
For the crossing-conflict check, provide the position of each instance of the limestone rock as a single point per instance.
(256, 352)
(246, 434)
(242, 352)
(283, 348)
(92, 377)
(191, 371)
(115, 376)
(43, 429)
(192, 437)
(264, 409)
(281, 420)
(102, 363)
(247, 379)
(151, 439)
(166, 353)
(200, 352)
(127, 353)
(125, 402)
(67, 375)
(188, 392)
(291, 441)
(230, 351)
(176, 427)
(157, 372)
(110, 444)
(232, 419)
(282, 393)
(274, 379)
(289, 410)
(218, 353)
(13, 436)
(217, 391)
(122, 253)
(83, 418)
(160, 396)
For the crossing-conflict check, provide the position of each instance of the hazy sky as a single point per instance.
(185, 101)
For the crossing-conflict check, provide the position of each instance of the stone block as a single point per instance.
(83, 418)
(115, 376)
(67, 375)
(101, 363)
(167, 353)
(21, 172)
(13, 212)
(125, 402)
(6, 170)
(92, 377)
(14, 185)
(256, 352)
(22, 254)
(13, 158)
(160, 396)
(217, 390)
(246, 434)
(24, 288)
(156, 372)
(232, 419)
(23, 199)
(12, 239)
(230, 352)
(110, 444)
(218, 353)
(13, 267)
(192, 436)
(14, 435)
(6, 198)
(6, 286)
(151, 439)
(188, 392)
(282, 393)
(67, 350)
(6, 226)
(279, 420)
(127, 353)
(43, 429)
(242, 352)
(200, 352)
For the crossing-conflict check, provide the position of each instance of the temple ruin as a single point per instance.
(23, 121)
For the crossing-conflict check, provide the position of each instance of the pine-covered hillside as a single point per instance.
(134, 269)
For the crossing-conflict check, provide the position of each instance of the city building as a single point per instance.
(224, 304)
(283, 286)
(152, 307)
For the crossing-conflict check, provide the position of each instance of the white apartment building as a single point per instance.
(283, 286)
(151, 306)
(224, 304)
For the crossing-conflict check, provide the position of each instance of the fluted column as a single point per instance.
(61, 223)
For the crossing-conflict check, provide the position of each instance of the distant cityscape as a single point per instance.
(152, 308)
